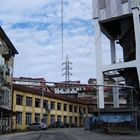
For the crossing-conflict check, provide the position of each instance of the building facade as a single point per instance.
(33, 105)
(7, 53)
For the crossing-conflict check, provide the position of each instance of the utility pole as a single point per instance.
(67, 68)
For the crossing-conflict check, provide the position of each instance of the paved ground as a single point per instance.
(65, 134)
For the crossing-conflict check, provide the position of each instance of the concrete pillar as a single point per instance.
(116, 97)
(136, 20)
(99, 73)
(113, 51)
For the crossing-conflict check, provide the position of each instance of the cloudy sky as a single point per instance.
(34, 27)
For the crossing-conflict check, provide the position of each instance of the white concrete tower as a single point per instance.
(119, 20)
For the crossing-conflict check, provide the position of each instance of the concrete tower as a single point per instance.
(119, 20)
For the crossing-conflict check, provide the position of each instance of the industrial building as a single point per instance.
(119, 21)
(7, 54)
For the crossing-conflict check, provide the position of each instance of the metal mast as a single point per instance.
(67, 69)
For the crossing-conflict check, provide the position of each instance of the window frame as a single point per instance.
(52, 105)
(65, 107)
(45, 102)
(59, 106)
(70, 108)
(20, 101)
(19, 118)
(28, 118)
(39, 101)
(27, 101)
(37, 117)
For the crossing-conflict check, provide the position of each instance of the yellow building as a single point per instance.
(32, 104)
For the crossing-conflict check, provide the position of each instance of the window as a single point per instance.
(70, 108)
(37, 102)
(124, 1)
(52, 105)
(102, 4)
(64, 90)
(59, 118)
(65, 107)
(19, 117)
(84, 110)
(28, 118)
(76, 121)
(28, 101)
(58, 106)
(70, 121)
(75, 109)
(80, 109)
(19, 99)
(52, 119)
(65, 119)
(4, 98)
(45, 119)
(45, 104)
(37, 117)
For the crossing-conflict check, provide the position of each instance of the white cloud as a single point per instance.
(40, 47)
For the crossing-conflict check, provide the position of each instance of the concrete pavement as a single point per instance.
(65, 134)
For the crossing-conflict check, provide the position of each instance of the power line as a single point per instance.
(96, 26)
(90, 50)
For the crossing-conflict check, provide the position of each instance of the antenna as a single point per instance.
(62, 28)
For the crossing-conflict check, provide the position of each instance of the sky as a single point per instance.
(34, 28)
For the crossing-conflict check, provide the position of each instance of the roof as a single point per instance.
(7, 41)
(29, 78)
(38, 91)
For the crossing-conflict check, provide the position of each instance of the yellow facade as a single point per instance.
(75, 117)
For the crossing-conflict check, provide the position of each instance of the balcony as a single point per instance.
(3, 50)
(5, 78)
(4, 98)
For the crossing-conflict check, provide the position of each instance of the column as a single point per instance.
(136, 19)
(99, 72)
(113, 52)
(116, 97)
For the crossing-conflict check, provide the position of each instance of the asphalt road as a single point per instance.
(65, 134)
